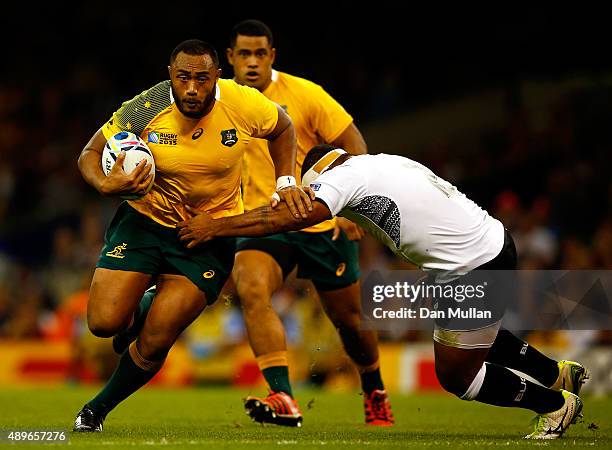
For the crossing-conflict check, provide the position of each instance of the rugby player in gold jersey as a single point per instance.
(198, 128)
(325, 253)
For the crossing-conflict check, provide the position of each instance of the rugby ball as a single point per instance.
(135, 151)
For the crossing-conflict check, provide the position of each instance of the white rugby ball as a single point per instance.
(135, 151)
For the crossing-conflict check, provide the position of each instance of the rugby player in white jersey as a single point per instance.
(427, 221)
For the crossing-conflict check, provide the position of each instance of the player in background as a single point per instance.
(324, 253)
(198, 128)
(425, 220)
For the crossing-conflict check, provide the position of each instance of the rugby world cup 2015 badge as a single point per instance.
(153, 137)
(229, 137)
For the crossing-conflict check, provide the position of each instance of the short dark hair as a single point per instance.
(195, 47)
(251, 27)
(314, 154)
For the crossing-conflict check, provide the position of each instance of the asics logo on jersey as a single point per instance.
(197, 133)
(117, 252)
(229, 137)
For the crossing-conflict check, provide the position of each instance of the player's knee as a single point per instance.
(452, 379)
(99, 330)
(254, 294)
(104, 327)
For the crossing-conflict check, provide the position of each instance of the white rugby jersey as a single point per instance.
(419, 216)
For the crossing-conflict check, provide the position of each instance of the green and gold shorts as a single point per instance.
(135, 243)
(329, 264)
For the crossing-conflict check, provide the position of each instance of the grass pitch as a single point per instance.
(214, 418)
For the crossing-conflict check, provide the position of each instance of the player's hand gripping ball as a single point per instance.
(135, 151)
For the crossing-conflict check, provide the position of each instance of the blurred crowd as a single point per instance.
(550, 187)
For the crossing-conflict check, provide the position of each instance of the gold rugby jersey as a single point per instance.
(198, 162)
(317, 119)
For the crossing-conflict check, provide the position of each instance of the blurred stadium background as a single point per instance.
(514, 109)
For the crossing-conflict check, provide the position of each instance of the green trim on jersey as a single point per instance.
(135, 114)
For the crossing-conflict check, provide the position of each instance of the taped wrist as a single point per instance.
(284, 182)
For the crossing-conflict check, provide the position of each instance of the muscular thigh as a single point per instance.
(114, 294)
(460, 354)
(458, 365)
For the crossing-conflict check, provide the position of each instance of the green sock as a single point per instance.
(126, 380)
(278, 379)
(142, 310)
(124, 338)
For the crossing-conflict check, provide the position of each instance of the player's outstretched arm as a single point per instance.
(282, 147)
(258, 222)
(117, 182)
